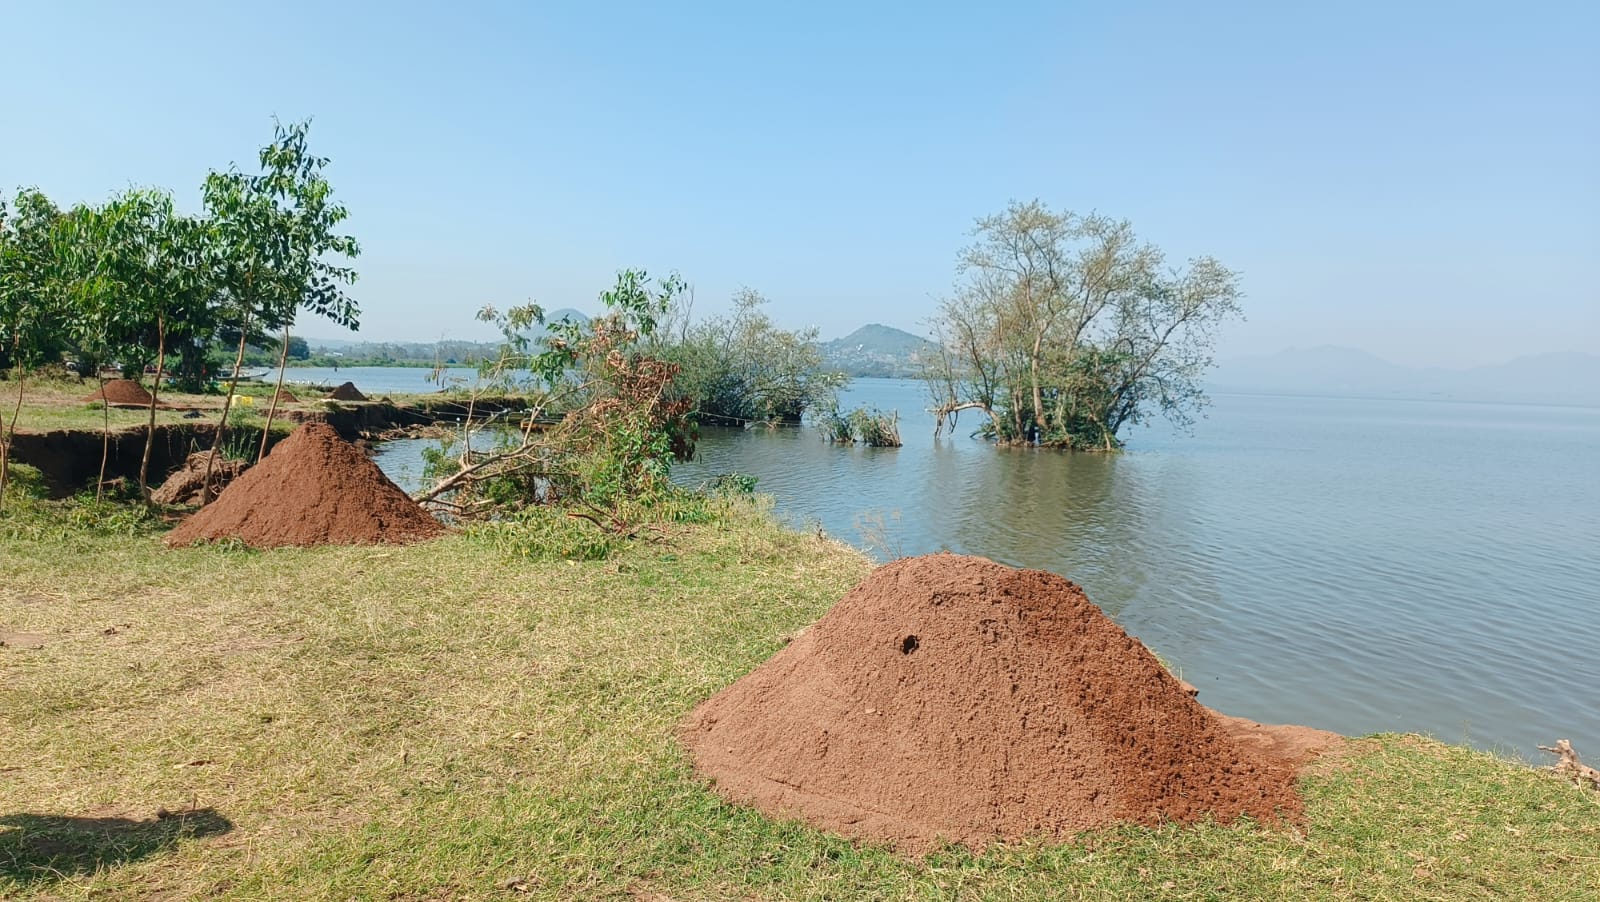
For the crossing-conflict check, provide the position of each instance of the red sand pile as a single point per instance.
(347, 392)
(950, 697)
(313, 488)
(286, 397)
(183, 486)
(122, 393)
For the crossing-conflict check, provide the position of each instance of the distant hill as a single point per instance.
(560, 313)
(1557, 378)
(878, 350)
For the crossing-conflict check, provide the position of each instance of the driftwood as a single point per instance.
(1568, 765)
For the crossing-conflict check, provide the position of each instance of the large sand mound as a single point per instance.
(313, 488)
(950, 697)
(120, 392)
(347, 392)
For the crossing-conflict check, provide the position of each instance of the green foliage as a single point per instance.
(730, 485)
(743, 369)
(1066, 329)
(544, 534)
(32, 290)
(276, 236)
(868, 425)
(110, 516)
(24, 482)
(603, 429)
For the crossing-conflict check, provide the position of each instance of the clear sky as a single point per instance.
(1421, 180)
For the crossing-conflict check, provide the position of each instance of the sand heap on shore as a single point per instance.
(953, 698)
(122, 393)
(313, 488)
(347, 392)
(287, 397)
(183, 486)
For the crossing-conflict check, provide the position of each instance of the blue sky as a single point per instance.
(1418, 180)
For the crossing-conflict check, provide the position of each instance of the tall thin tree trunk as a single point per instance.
(105, 434)
(11, 433)
(155, 390)
(272, 410)
(227, 404)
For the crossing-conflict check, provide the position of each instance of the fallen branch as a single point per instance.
(1568, 765)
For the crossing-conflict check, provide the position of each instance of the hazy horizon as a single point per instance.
(1416, 182)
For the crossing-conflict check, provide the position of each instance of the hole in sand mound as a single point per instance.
(1067, 724)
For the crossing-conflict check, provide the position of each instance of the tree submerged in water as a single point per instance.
(1065, 329)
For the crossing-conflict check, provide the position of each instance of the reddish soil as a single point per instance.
(183, 486)
(953, 698)
(285, 397)
(314, 488)
(347, 392)
(122, 392)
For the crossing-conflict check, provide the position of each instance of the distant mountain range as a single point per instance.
(878, 350)
(356, 346)
(1556, 378)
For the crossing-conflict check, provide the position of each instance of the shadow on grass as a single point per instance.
(42, 847)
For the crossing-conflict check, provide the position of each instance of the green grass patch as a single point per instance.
(456, 720)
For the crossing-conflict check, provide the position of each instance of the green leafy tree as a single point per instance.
(161, 282)
(100, 249)
(275, 237)
(1065, 329)
(617, 423)
(31, 305)
(742, 368)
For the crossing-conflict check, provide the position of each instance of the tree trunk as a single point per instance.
(272, 409)
(105, 435)
(155, 391)
(1038, 395)
(227, 404)
(11, 433)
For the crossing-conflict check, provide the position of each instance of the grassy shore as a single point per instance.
(52, 404)
(443, 721)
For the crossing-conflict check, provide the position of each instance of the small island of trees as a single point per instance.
(1065, 328)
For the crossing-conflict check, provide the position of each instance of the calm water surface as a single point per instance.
(1356, 565)
(376, 380)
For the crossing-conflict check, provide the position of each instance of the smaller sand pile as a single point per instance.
(347, 392)
(183, 486)
(313, 488)
(953, 698)
(122, 393)
(285, 397)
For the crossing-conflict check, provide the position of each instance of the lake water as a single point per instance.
(1356, 565)
(376, 380)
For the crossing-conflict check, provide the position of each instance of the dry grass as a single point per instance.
(440, 721)
(52, 404)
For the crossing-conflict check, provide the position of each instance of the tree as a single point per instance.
(1064, 329)
(161, 281)
(742, 368)
(100, 249)
(275, 231)
(298, 349)
(30, 297)
(619, 425)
